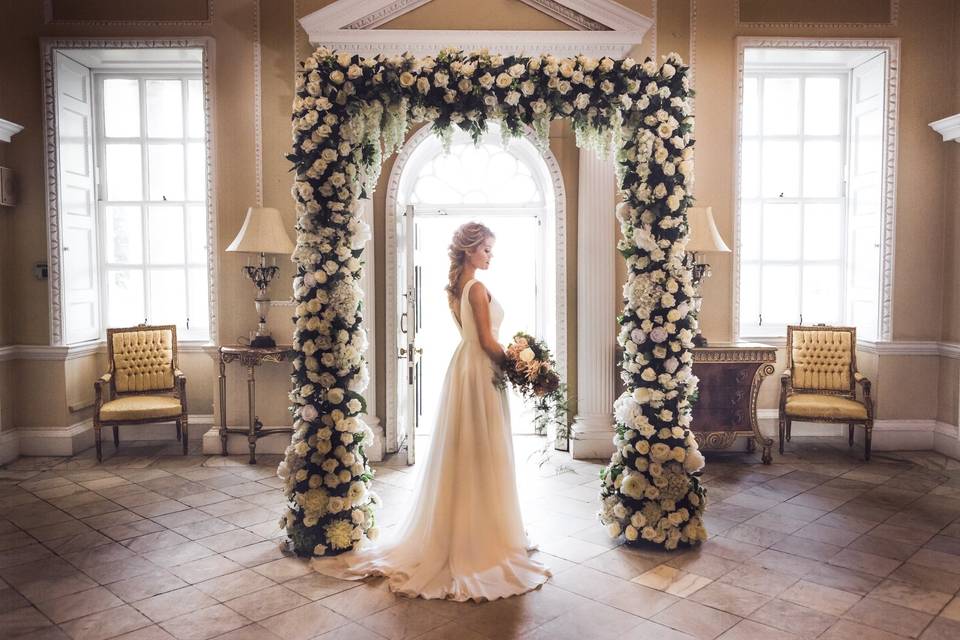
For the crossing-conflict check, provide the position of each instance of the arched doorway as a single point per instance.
(518, 192)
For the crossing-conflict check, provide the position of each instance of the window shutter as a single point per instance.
(80, 282)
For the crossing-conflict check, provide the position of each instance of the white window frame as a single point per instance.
(184, 332)
(55, 230)
(890, 47)
(761, 329)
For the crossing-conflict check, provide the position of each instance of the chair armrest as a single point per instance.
(786, 388)
(865, 385)
(180, 388)
(98, 388)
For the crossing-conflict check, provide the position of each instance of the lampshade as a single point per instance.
(704, 237)
(263, 231)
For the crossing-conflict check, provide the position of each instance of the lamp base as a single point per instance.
(262, 342)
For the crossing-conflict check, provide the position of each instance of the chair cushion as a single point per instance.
(821, 359)
(140, 408)
(143, 360)
(812, 405)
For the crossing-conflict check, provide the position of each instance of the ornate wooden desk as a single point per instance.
(250, 358)
(730, 376)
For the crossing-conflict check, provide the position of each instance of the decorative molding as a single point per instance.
(51, 164)
(948, 127)
(390, 232)
(351, 25)
(894, 20)
(63, 353)
(568, 16)
(49, 19)
(8, 130)
(257, 105)
(891, 47)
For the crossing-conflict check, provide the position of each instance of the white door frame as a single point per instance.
(390, 225)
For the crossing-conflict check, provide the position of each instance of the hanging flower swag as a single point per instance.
(351, 111)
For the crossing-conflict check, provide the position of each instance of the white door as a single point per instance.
(865, 195)
(407, 352)
(76, 201)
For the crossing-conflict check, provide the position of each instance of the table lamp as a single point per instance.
(704, 238)
(262, 232)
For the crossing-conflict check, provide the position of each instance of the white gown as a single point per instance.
(463, 537)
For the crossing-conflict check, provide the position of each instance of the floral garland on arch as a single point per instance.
(348, 113)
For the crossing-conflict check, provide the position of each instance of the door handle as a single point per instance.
(402, 354)
(403, 318)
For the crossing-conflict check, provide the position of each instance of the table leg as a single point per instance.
(223, 407)
(761, 373)
(252, 400)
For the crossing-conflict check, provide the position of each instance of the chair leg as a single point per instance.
(96, 439)
(850, 432)
(178, 430)
(182, 423)
(789, 428)
(868, 430)
(783, 430)
(116, 436)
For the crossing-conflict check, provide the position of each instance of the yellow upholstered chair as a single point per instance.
(819, 384)
(143, 385)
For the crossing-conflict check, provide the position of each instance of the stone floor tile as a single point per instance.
(181, 553)
(146, 585)
(908, 595)
(314, 586)
(79, 604)
(106, 624)
(307, 621)
(750, 630)
(889, 617)
(825, 599)
(154, 541)
(942, 629)
(284, 569)
(730, 598)
(171, 604)
(23, 621)
(697, 620)
(204, 528)
(952, 610)
(236, 584)
(204, 623)
(673, 581)
(588, 619)
(865, 562)
(266, 603)
(205, 568)
(793, 618)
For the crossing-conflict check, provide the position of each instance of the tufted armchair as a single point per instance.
(143, 385)
(819, 384)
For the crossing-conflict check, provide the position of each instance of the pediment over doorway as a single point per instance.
(591, 27)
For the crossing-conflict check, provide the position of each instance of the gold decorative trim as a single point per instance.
(735, 354)
(257, 105)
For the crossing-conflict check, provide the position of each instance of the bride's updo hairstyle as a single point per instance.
(466, 238)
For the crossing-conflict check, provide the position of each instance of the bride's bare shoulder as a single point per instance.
(478, 293)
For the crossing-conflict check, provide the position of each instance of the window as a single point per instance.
(151, 193)
(807, 249)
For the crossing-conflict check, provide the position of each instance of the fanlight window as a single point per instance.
(487, 174)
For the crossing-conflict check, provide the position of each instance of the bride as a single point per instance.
(463, 539)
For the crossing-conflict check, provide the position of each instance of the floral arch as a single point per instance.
(350, 111)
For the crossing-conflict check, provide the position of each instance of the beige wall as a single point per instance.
(928, 192)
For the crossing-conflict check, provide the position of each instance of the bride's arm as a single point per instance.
(480, 304)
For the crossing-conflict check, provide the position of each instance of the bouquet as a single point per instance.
(531, 371)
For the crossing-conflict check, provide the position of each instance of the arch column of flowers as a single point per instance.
(350, 111)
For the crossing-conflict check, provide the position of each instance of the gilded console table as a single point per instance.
(730, 375)
(250, 358)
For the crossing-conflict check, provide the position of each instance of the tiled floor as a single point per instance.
(153, 545)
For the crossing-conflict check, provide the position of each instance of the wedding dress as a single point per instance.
(463, 538)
